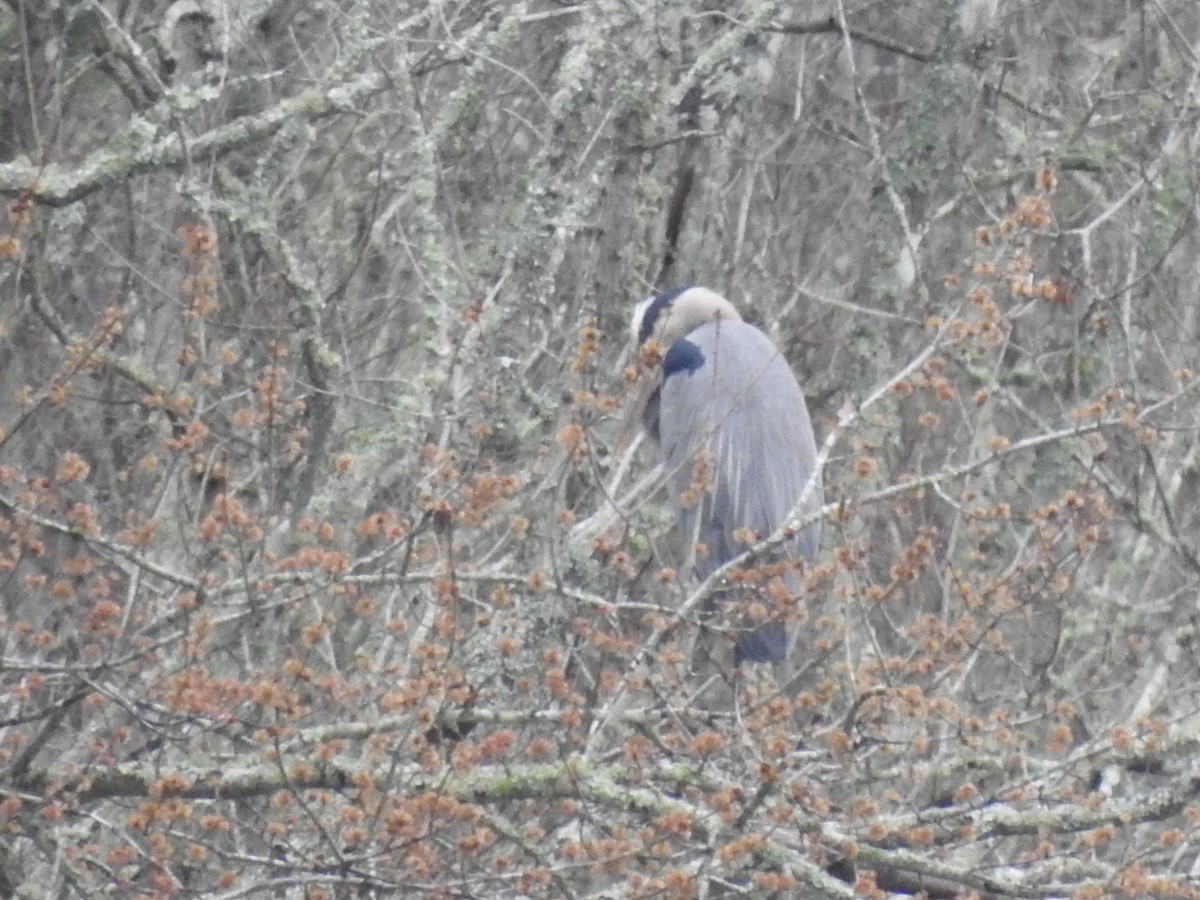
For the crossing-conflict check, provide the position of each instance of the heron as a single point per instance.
(726, 400)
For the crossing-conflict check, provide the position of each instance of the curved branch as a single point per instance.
(833, 25)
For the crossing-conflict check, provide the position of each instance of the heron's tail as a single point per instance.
(766, 643)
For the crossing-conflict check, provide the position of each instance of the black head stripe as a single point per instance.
(650, 318)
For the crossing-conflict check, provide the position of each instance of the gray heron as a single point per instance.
(735, 437)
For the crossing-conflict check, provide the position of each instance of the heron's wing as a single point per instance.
(743, 406)
(767, 456)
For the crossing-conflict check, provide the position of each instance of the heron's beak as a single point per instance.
(643, 412)
(636, 415)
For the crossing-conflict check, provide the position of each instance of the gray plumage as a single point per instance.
(745, 407)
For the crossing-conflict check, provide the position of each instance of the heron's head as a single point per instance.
(669, 316)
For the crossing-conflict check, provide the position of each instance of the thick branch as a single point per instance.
(616, 788)
(60, 184)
